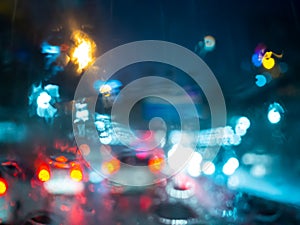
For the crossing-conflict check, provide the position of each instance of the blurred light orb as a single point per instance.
(209, 43)
(208, 168)
(233, 182)
(244, 122)
(261, 80)
(256, 60)
(95, 177)
(43, 100)
(267, 62)
(194, 168)
(230, 166)
(83, 53)
(105, 90)
(242, 125)
(258, 170)
(275, 112)
(274, 116)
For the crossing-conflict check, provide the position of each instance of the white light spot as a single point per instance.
(95, 178)
(275, 111)
(258, 170)
(274, 116)
(194, 168)
(230, 166)
(43, 100)
(208, 168)
(233, 182)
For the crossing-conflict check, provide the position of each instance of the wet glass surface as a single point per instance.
(209, 81)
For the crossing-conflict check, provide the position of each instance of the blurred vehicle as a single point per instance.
(10, 173)
(60, 170)
(128, 170)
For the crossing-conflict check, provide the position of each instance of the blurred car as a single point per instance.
(10, 173)
(60, 170)
(129, 170)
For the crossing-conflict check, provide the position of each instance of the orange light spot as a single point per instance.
(111, 166)
(3, 187)
(61, 159)
(76, 175)
(44, 175)
(156, 164)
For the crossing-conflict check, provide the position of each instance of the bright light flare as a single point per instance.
(194, 168)
(105, 90)
(208, 168)
(83, 53)
(242, 125)
(156, 164)
(76, 175)
(230, 166)
(274, 116)
(111, 166)
(43, 100)
(209, 43)
(44, 174)
(274, 113)
(3, 186)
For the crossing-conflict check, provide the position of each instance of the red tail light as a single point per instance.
(3, 186)
(43, 173)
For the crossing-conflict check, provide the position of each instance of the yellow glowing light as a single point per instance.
(83, 53)
(3, 187)
(156, 164)
(111, 166)
(76, 174)
(44, 175)
(105, 90)
(268, 63)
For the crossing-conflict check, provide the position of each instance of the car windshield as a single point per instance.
(190, 106)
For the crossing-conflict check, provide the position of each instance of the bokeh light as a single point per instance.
(261, 80)
(275, 112)
(44, 175)
(208, 168)
(76, 175)
(3, 186)
(83, 53)
(43, 100)
(230, 166)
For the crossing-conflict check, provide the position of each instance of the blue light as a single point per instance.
(114, 84)
(49, 49)
(256, 60)
(261, 80)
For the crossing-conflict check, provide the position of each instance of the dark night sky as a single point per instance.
(237, 26)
